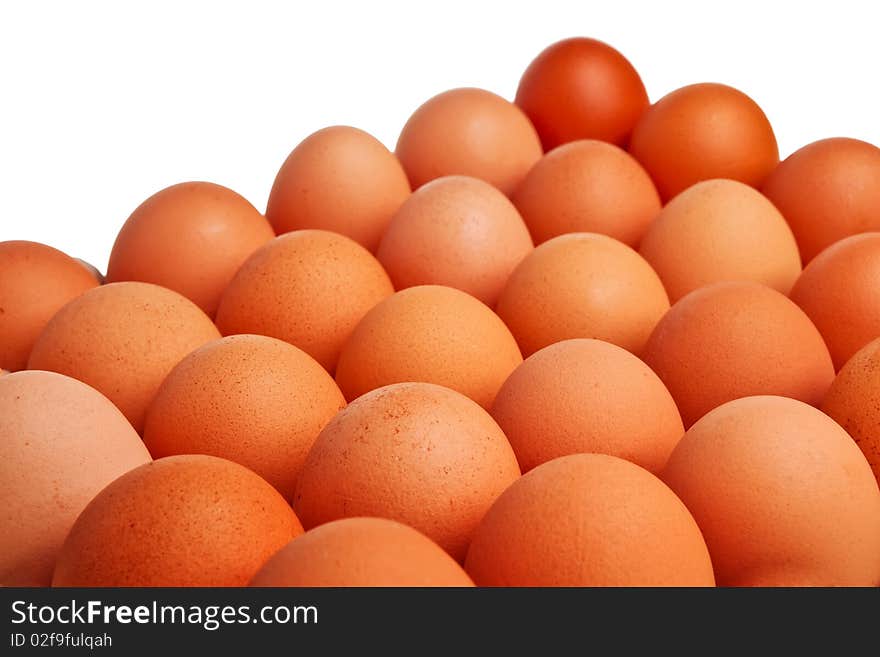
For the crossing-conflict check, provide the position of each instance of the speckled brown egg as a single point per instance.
(191, 238)
(309, 288)
(429, 333)
(782, 494)
(582, 285)
(123, 339)
(362, 552)
(251, 399)
(456, 231)
(828, 190)
(588, 520)
(180, 521)
(470, 132)
(840, 291)
(587, 396)
(418, 453)
(339, 179)
(721, 230)
(61, 442)
(854, 401)
(35, 282)
(587, 186)
(736, 339)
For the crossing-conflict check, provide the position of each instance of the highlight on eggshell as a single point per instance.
(569, 338)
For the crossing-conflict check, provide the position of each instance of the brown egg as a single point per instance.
(839, 290)
(190, 238)
(456, 231)
(582, 88)
(582, 285)
(782, 494)
(470, 132)
(854, 401)
(61, 442)
(418, 453)
(721, 230)
(588, 520)
(736, 339)
(587, 396)
(587, 186)
(35, 281)
(339, 179)
(309, 288)
(356, 552)
(704, 131)
(433, 334)
(828, 190)
(180, 521)
(123, 339)
(252, 399)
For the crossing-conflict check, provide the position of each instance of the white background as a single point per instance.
(102, 104)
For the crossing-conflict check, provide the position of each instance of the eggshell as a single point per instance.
(251, 399)
(470, 132)
(587, 186)
(339, 179)
(94, 271)
(854, 401)
(309, 288)
(433, 334)
(35, 281)
(782, 494)
(356, 552)
(721, 230)
(828, 190)
(704, 131)
(61, 442)
(588, 520)
(123, 339)
(735, 339)
(191, 238)
(840, 291)
(180, 521)
(582, 285)
(582, 88)
(587, 396)
(456, 231)
(418, 453)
